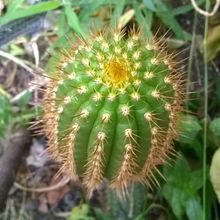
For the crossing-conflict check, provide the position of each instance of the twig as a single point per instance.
(206, 13)
(31, 68)
(206, 84)
(16, 60)
(62, 183)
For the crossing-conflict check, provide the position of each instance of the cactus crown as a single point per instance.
(111, 109)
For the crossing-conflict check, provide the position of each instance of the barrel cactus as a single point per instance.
(111, 108)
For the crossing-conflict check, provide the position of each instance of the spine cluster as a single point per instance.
(111, 109)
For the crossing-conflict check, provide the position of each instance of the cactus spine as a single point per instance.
(111, 109)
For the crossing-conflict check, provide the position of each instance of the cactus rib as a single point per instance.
(111, 109)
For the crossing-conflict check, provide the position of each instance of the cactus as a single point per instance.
(111, 108)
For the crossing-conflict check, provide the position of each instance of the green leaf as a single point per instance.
(90, 8)
(144, 19)
(80, 213)
(193, 209)
(117, 12)
(84, 3)
(185, 8)
(100, 215)
(73, 20)
(172, 195)
(181, 186)
(188, 128)
(16, 50)
(122, 209)
(13, 5)
(17, 11)
(62, 25)
(5, 112)
(150, 5)
(214, 128)
(165, 14)
(24, 98)
(196, 178)
(170, 21)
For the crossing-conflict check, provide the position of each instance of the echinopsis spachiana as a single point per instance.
(111, 108)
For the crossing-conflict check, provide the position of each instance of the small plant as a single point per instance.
(111, 108)
(5, 111)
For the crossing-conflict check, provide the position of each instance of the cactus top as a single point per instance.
(111, 108)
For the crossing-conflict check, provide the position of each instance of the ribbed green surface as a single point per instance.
(124, 79)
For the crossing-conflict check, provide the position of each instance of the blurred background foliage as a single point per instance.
(48, 23)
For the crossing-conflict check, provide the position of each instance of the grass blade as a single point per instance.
(16, 11)
(73, 20)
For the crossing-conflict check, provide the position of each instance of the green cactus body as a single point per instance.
(111, 109)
